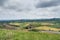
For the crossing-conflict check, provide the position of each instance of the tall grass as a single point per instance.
(19, 35)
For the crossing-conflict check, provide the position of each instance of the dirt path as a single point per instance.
(51, 32)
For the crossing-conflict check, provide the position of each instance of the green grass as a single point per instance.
(31, 35)
(19, 35)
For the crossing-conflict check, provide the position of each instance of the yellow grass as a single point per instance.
(47, 28)
(14, 23)
(47, 24)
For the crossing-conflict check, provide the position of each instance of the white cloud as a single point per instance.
(26, 9)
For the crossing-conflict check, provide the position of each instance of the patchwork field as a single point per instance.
(30, 30)
(46, 26)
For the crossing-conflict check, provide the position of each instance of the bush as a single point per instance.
(35, 30)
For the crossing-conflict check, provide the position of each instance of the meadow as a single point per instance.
(30, 30)
(22, 35)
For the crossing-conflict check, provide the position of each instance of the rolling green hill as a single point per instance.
(26, 29)
(20, 35)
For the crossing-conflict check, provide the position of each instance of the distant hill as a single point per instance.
(31, 20)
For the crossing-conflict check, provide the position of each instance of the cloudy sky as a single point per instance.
(29, 9)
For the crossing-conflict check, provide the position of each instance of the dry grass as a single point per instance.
(47, 28)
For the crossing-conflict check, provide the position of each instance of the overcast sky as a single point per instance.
(29, 9)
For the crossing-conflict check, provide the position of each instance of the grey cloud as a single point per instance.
(2, 2)
(48, 4)
(18, 6)
(18, 9)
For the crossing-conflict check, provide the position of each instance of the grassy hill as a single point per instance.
(21, 35)
(30, 29)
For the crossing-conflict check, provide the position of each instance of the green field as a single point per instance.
(19, 35)
(30, 30)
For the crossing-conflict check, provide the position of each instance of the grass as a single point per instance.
(38, 24)
(22, 35)
(47, 28)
